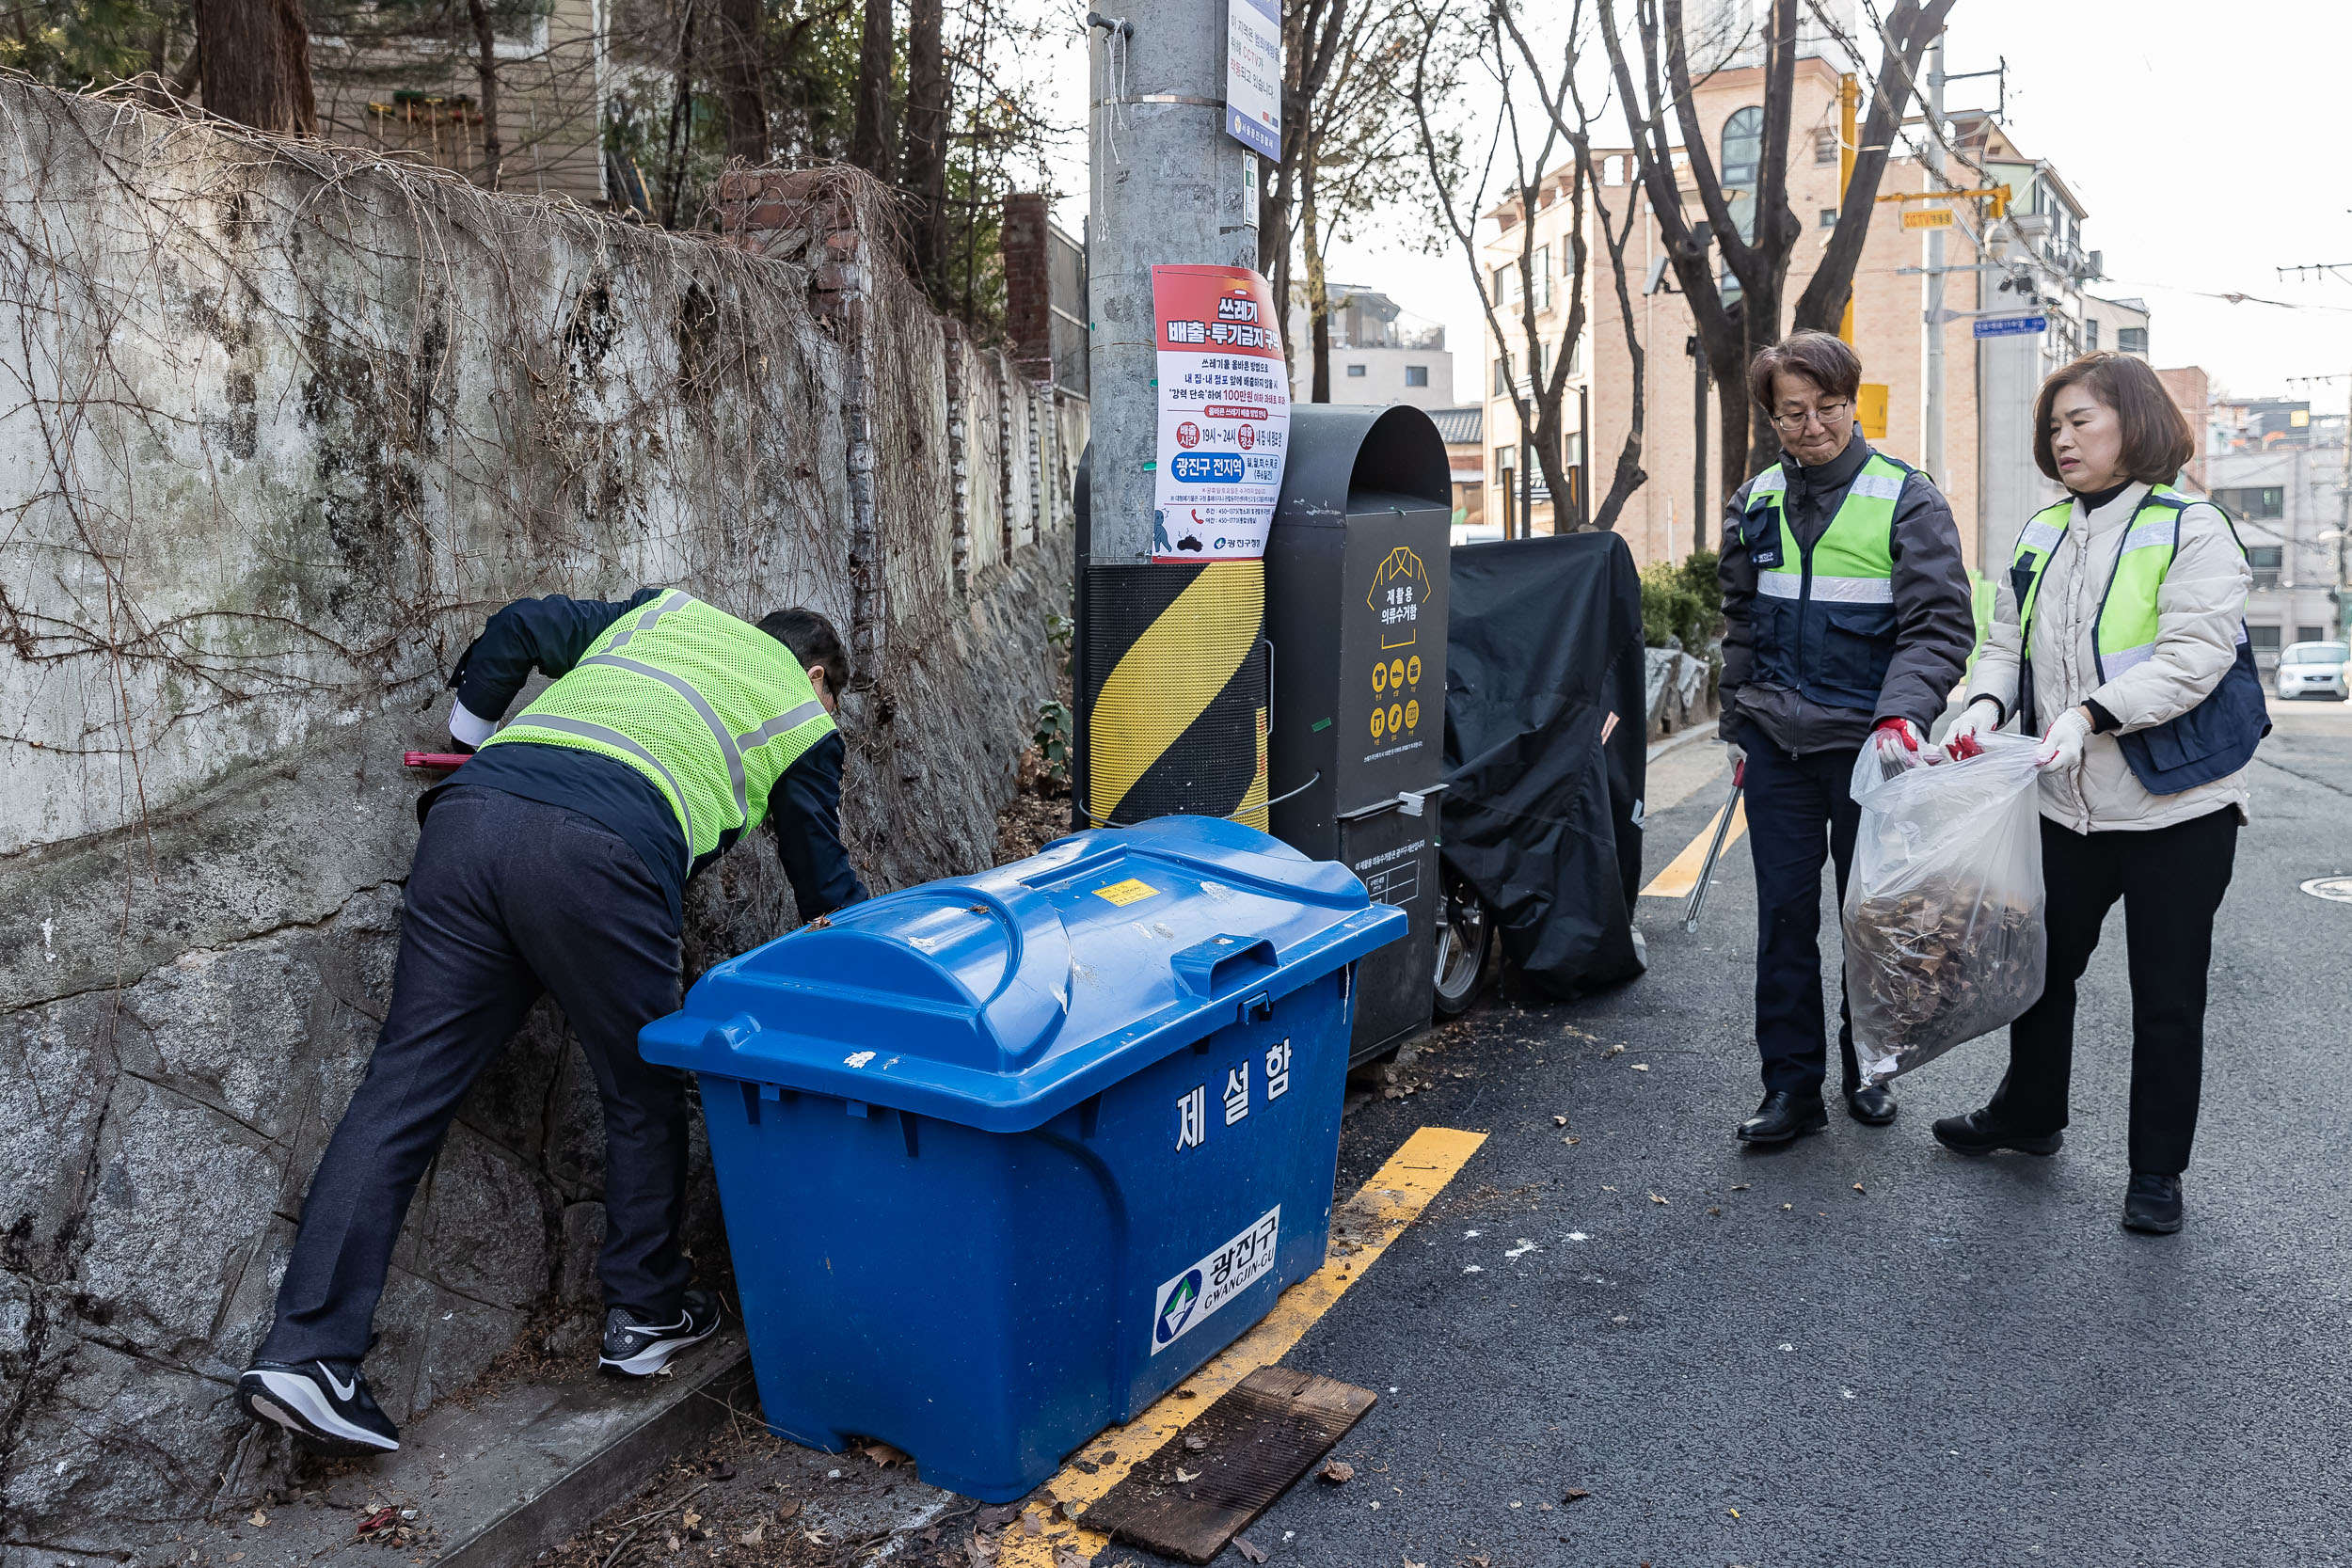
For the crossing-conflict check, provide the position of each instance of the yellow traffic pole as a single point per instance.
(1849, 99)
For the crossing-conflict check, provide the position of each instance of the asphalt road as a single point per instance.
(1864, 1349)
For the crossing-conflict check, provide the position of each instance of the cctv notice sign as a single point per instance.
(1253, 75)
(1224, 412)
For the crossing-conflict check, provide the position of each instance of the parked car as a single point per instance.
(2314, 669)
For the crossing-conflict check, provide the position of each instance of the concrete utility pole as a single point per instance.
(1168, 187)
(1931, 441)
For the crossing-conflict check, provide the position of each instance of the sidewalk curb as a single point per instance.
(1675, 743)
(609, 1470)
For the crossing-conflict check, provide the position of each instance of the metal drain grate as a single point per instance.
(1187, 1501)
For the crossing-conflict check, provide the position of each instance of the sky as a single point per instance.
(2210, 153)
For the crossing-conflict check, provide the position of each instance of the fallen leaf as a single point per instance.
(1249, 1549)
(1787, 1206)
(1195, 1444)
(1069, 1557)
(1655, 1198)
(1543, 1507)
(1607, 1189)
(236, 1556)
(1032, 1525)
(1188, 1394)
(999, 1514)
(1857, 1186)
(1337, 1471)
(1615, 1051)
(1559, 1121)
(754, 1536)
(1641, 1066)
(260, 1517)
(787, 1510)
(675, 1543)
(1714, 1210)
(1568, 1140)
(1575, 1494)
(1409, 1562)
(690, 1519)
(885, 1456)
(1184, 1475)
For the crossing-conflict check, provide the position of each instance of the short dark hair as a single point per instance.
(2157, 441)
(1820, 357)
(812, 640)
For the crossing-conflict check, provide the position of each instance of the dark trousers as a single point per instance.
(2171, 880)
(1799, 815)
(507, 897)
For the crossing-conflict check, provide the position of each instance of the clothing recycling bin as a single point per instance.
(1005, 1157)
(1356, 579)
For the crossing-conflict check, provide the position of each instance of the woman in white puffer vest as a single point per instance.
(2118, 635)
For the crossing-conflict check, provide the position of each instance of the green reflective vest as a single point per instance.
(2125, 630)
(709, 709)
(2212, 739)
(1822, 621)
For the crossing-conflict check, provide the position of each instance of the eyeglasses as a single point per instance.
(1829, 414)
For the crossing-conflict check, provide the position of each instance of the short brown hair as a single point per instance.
(2157, 442)
(1820, 357)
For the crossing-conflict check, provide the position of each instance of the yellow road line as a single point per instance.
(1361, 1230)
(1682, 875)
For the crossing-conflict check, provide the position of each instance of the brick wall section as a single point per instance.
(1029, 287)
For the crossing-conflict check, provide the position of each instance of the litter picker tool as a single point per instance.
(1706, 872)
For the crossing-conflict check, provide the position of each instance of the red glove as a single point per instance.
(1887, 731)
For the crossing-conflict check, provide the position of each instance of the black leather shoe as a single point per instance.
(1873, 1106)
(1785, 1115)
(2151, 1204)
(1982, 1133)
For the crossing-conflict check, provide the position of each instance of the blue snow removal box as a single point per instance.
(1004, 1158)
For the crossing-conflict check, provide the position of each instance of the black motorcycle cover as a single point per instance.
(1545, 751)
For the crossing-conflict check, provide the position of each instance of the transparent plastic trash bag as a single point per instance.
(1945, 939)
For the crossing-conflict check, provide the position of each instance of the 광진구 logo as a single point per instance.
(1176, 1307)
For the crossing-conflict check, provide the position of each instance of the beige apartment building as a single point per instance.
(1988, 381)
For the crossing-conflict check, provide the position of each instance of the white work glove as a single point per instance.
(2062, 747)
(1962, 741)
(1738, 755)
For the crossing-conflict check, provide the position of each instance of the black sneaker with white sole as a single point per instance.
(637, 1347)
(325, 1403)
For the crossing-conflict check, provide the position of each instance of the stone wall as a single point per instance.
(278, 426)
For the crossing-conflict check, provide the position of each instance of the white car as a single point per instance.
(2314, 669)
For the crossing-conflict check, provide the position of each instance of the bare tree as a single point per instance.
(924, 154)
(869, 135)
(487, 74)
(256, 63)
(1538, 391)
(1313, 32)
(743, 29)
(1732, 331)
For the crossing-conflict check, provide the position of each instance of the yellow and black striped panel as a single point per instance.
(1177, 720)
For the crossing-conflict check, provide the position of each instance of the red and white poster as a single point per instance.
(1224, 412)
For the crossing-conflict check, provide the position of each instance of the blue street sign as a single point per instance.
(2010, 327)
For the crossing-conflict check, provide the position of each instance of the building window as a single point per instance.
(2264, 559)
(2309, 634)
(2263, 639)
(1503, 379)
(1542, 269)
(1828, 217)
(1507, 285)
(2091, 335)
(2132, 340)
(2271, 501)
(1743, 146)
(1825, 144)
(1355, 371)
(1415, 376)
